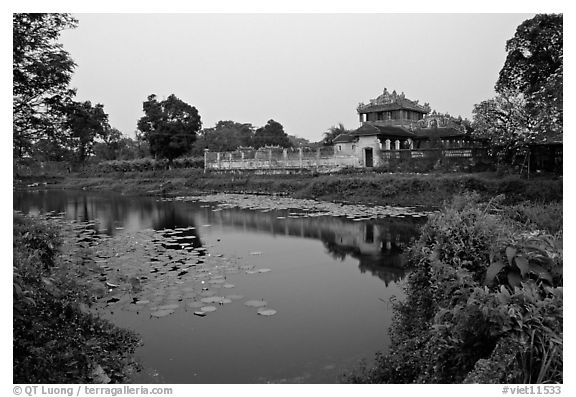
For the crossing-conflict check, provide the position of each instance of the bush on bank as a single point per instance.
(484, 303)
(55, 338)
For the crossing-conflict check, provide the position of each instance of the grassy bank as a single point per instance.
(484, 299)
(55, 338)
(371, 187)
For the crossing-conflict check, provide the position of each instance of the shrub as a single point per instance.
(464, 315)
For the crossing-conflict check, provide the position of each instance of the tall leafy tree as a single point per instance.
(272, 134)
(528, 107)
(534, 68)
(504, 122)
(226, 136)
(86, 123)
(169, 126)
(41, 72)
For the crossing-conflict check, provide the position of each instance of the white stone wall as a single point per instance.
(369, 142)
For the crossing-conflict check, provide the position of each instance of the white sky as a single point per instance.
(306, 71)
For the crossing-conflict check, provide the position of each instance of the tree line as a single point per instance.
(49, 124)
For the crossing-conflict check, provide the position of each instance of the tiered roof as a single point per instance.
(392, 101)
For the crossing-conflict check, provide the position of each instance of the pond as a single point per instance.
(233, 288)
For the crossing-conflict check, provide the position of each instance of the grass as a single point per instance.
(372, 187)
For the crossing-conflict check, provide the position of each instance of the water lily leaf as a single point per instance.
(199, 313)
(266, 312)
(264, 270)
(208, 309)
(212, 299)
(217, 281)
(228, 286)
(255, 303)
(195, 304)
(256, 253)
(162, 312)
(169, 306)
(224, 301)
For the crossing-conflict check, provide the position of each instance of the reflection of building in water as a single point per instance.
(378, 244)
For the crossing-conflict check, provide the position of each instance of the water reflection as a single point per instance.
(326, 277)
(378, 245)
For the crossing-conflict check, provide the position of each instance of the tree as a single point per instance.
(505, 123)
(332, 133)
(86, 123)
(226, 136)
(169, 126)
(41, 72)
(272, 134)
(534, 68)
(296, 141)
(111, 145)
(534, 54)
(529, 101)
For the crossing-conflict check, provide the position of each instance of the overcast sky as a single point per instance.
(306, 71)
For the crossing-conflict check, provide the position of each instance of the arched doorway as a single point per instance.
(368, 157)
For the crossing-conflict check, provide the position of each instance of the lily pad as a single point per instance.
(212, 299)
(171, 306)
(264, 270)
(162, 312)
(199, 313)
(208, 309)
(266, 311)
(255, 303)
(228, 286)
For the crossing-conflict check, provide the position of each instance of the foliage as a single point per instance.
(332, 133)
(504, 121)
(55, 339)
(225, 136)
(169, 126)
(272, 134)
(534, 54)
(463, 318)
(528, 107)
(86, 123)
(41, 72)
(147, 164)
(116, 146)
(537, 216)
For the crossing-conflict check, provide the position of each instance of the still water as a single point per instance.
(155, 265)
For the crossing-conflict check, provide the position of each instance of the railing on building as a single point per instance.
(433, 153)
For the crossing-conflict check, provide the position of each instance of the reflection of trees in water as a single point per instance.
(378, 245)
(111, 210)
(169, 217)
